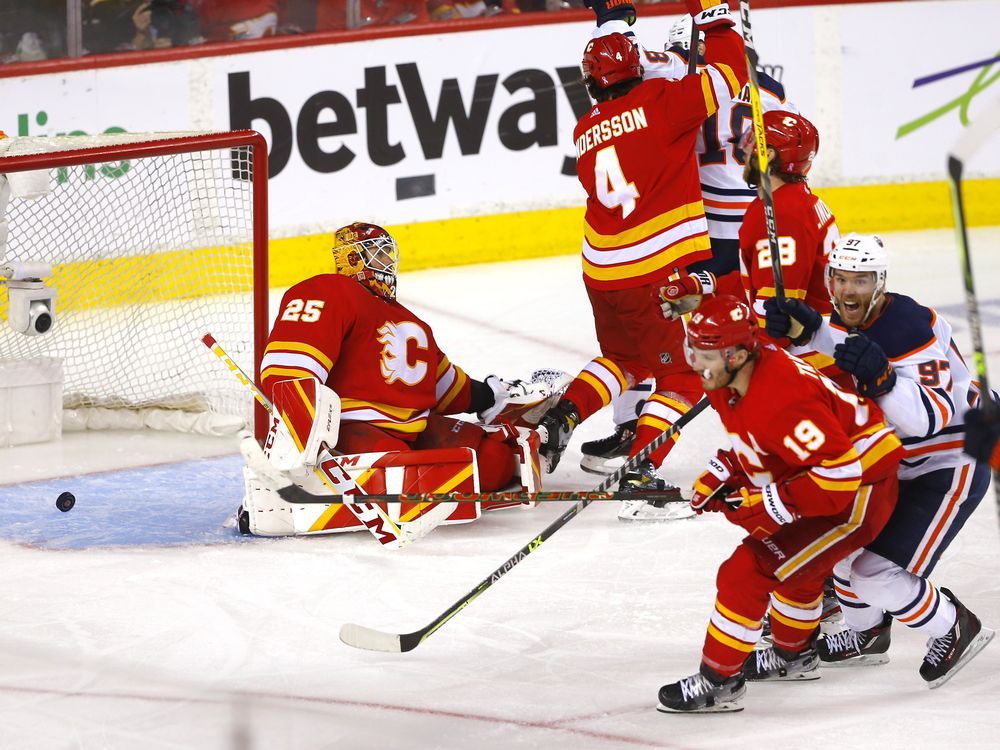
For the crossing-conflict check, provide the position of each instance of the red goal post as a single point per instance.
(152, 240)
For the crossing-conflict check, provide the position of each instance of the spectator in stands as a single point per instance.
(32, 30)
(121, 25)
(232, 20)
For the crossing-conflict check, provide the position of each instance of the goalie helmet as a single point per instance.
(792, 136)
(611, 59)
(369, 254)
(722, 323)
(680, 34)
(859, 253)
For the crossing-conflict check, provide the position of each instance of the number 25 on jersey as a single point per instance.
(613, 190)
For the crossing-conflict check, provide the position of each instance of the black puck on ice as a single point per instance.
(65, 502)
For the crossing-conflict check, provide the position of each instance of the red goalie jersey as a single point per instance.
(807, 232)
(818, 445)
(379, 357)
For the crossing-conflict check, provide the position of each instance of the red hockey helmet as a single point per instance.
(722, 322)
(611, 59)
(368, 253)
(792, 136)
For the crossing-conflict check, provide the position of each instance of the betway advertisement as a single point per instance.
(433, 127)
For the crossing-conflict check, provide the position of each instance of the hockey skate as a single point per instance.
(647, 497)
(554, 429)
(606, 456)
(704, 692)
(856, 648)
(773, 664)
(956, 648)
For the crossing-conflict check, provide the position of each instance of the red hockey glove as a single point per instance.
(683, 295)
(707, 14)
(761, 511)
(715, 483)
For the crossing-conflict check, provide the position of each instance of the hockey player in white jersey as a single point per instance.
(726, 197)
(901, 354)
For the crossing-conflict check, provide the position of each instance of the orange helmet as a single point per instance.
(368, 253)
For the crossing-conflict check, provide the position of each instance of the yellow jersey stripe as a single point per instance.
(658, 261)
(711, 107)
(730, 615)
(296, 346)
(645, 230)
(728, 640)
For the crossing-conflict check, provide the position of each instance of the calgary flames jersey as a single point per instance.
(807, 232)
(379, 357)
(819, 447)
(635, 159)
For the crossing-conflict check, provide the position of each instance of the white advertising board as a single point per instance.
(460, 124)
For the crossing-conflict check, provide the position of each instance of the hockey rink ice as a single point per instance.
(139, 620)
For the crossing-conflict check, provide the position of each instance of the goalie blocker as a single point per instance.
(450, 455)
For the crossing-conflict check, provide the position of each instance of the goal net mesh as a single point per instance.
(148, 254)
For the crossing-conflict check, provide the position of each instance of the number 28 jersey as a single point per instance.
(380, 358)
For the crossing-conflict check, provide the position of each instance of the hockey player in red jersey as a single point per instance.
(810, 482)
(635, 159)
(807, 229)
(343, 338)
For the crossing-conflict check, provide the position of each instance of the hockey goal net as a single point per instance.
(153, 239)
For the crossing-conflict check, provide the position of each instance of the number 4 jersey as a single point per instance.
(379, 357)
(635, 159)
(816, 442)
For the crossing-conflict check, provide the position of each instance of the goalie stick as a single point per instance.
(359, 636)
(974, 136)
(374, 518)
(762, 159)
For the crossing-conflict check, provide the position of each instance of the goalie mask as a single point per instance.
(369, 254)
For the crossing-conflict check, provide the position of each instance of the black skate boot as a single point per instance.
(648, 497)
(704, 692)
(555, 428)
(773, 664)
(856, 648)
(605, 456)
(952, 651)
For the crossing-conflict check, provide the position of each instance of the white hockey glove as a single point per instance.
(519, 400)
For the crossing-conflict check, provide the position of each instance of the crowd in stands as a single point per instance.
(32, 30)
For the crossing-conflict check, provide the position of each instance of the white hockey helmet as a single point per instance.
(680, 34)
(859, 253)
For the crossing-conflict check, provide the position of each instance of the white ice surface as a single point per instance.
(136, 620)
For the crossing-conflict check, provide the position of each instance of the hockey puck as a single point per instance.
(65, 502)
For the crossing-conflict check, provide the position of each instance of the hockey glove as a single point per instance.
(761, 511)
(683, 295)
(707, 15)
(501, 390)
(867, 362)
(982, 437)
(714, 484)
(791, 319)
(612, 10)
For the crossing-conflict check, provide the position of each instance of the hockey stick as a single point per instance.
(762, 158)
(693, 49)
(358, 636)
(374, 518)
(970, 141)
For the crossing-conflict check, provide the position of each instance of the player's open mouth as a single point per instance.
(851, 307)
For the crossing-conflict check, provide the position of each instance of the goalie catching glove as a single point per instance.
(519, 402)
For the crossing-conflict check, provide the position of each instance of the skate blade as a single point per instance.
(977, 645)
(865, 660)
(718, 708)
(800, 677)
(602, 466)
(671, 514)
